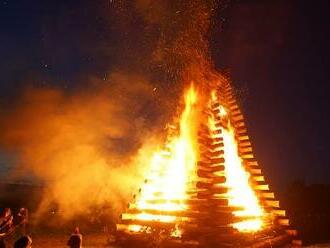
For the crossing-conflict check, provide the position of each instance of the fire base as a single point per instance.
(271, 239)
(218, 198)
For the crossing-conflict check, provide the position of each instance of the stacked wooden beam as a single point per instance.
(207, 220)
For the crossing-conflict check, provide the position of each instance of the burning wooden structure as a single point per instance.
(205, 188)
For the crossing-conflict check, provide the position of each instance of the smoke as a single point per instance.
(90, 146)
(82, 146)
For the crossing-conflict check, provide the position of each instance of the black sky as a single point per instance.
(276, 53)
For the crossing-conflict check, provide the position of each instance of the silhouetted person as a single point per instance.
(23, 242)
(21, 221)
(75, 240)
(6, 224)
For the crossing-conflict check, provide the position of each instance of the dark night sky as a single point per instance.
(276, 52)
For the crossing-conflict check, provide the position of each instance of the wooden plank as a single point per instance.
(248, 163)
(247, 149)
(247, 155)
(272, 203)
(258, 178)
(213, 169)
(238, 124)
(242, 137)
(245, 143)
(217, 160)
(283, 221)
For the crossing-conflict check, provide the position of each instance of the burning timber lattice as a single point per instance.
(220, 199)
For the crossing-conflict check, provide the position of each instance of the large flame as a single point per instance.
(240, 193)
(173, 171)
(173, 175)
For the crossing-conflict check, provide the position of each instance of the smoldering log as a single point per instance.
(246, 155)
(255, 171)
(217, 161)
(244, 143)
(238, 124)
(242, 137)
(208, 185)
(213, 190)
(212, 163)
(208, 174)
(210, 168)
(283, 221)
(251, 163)
(245, 149)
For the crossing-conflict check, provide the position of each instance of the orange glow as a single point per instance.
(240, 193)
(172, 172)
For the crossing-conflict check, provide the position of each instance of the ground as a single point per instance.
(59, 241)
(91, 241)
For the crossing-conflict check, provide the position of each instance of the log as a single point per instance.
(222, 124)
(204, 164)
(268, 195)
(238, 124)
(208, 174)
(210, 168)
(217, 153)
(291, 232)
(241, 131)
(283, 221)
(265, 194)
(253, 171)
(215, 111)
(212, 154)
(243, 150)
(242, 138)
(207, 185)
(216, 143)
(212, 189)
(278, 241)
(247, 155)
(231, 101)
(208, 158)
(251, 163)
(260, 187)
(271, 203)
(215, 105)
(258, 178)
(245, 143)
(217, 161)
(278, 212)
(218, 140)
(236, 112)
(233, 106)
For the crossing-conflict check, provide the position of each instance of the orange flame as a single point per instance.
(172, 172)
(240, 193)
